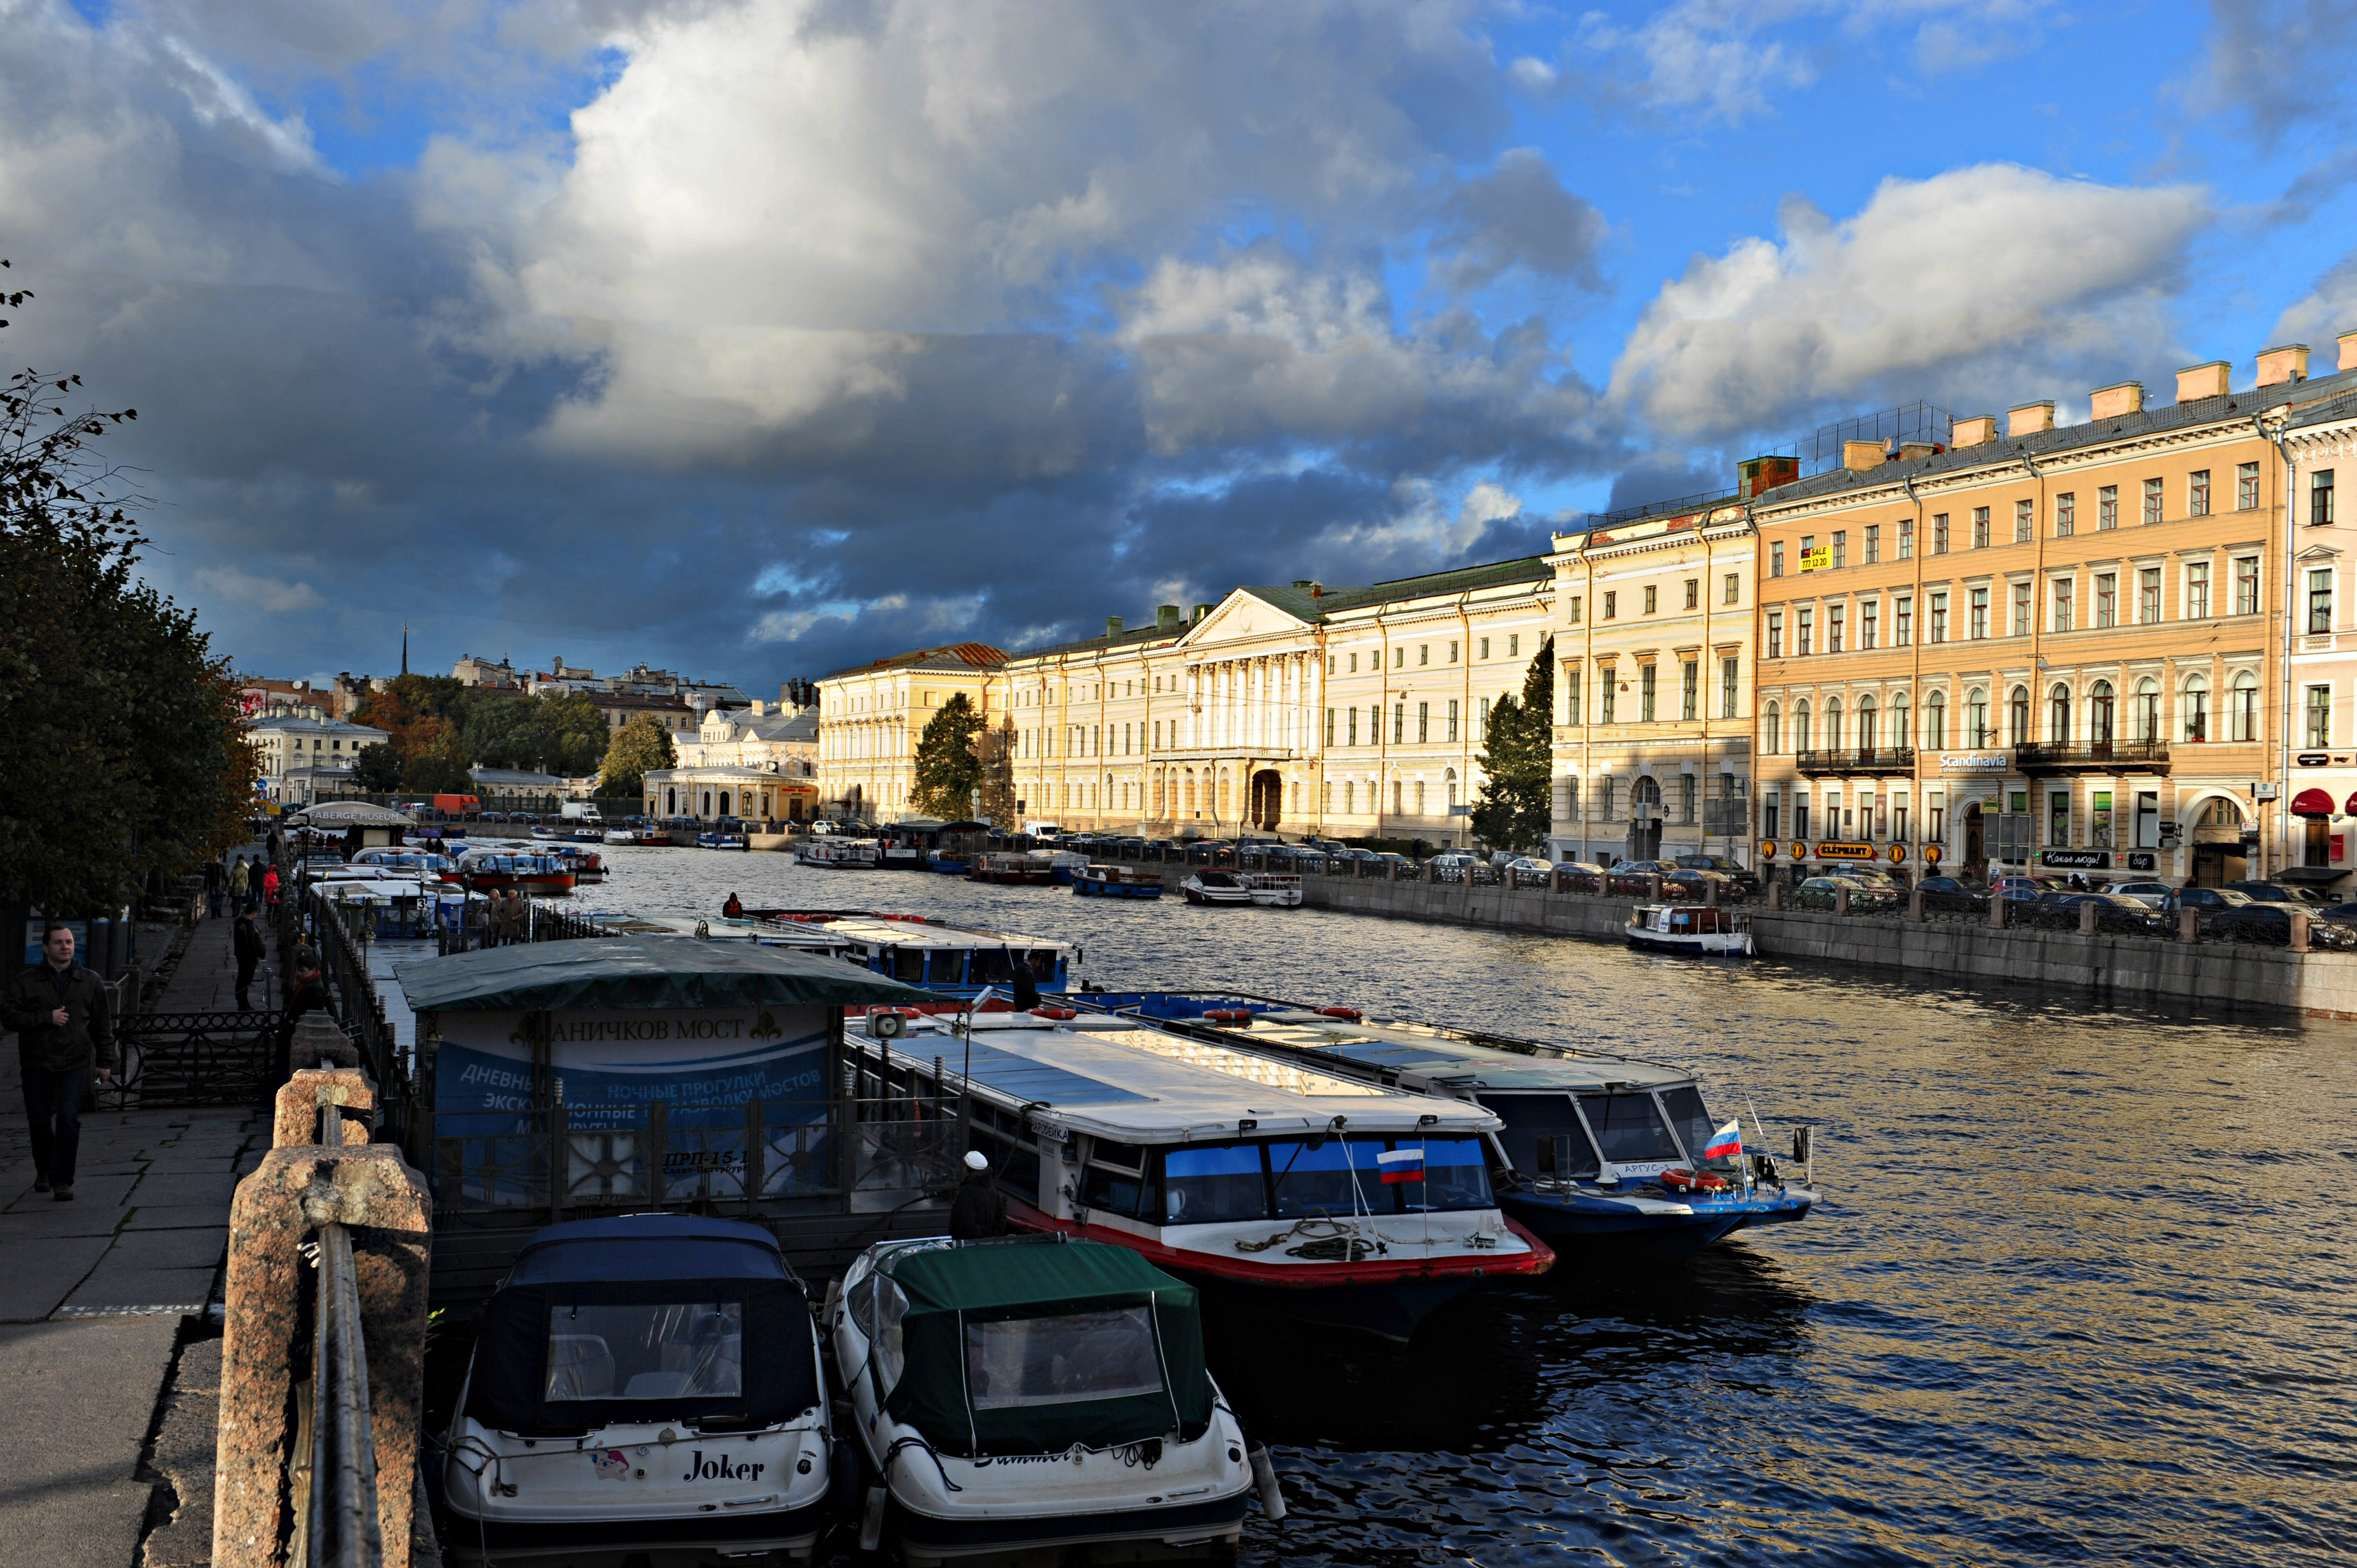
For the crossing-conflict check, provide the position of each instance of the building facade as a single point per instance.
(2319, 824)
(305, 754)
(871, 715)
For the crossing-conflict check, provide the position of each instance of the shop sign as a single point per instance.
(1767, 849)
(2314, 759)
(1897, 854)
(1974, 762)
(2263, 791)
(1932, 854)
(1820, 559)
(2076, 859)
(1800, 852)
(2144, 860)
(1846, 852)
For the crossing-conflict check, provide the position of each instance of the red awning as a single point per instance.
(2311, 803)
(2350, 806)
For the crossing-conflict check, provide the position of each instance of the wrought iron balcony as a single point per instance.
(2095, 757)
(1853, 759)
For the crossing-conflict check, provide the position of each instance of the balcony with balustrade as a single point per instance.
(1856, 761)
(2042, 758)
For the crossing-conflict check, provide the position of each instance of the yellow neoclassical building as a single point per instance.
(871, 715)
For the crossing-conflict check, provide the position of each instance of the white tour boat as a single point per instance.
(1214, 886)
(1275, 889)
(1690, 929)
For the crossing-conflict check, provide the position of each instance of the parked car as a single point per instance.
(1818, 892)
(2279, 893)
(1644, 868)
(2114, 911)
(2341, 914)
(1720, 863)
(1691, 882)
(1962, 887)
(2151, 894)
(1529, 863)
(2231, 911)
(1456, 857)
(2025, 889)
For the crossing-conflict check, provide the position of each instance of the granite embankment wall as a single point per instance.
(2125, 969)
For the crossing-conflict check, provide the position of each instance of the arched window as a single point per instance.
(1833, 724)
(1935, 720)
(1902, 732)
(2147, 714)
(2017, 714)
(2057, 715)
(2246, 716)
(2099, 713)
(1448, 778)
(1867, 725)
(1775, 727)
(1976, 719)
(2220, 813)
(1801, 725)
(2197, 708)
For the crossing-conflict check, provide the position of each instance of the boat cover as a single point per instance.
(643, 971)
(653, 1260)
(955, 1295)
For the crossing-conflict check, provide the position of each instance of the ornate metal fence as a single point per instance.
(175, 1059)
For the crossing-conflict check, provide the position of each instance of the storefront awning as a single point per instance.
(2311, 803)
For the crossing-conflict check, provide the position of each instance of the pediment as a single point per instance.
(1242, 617)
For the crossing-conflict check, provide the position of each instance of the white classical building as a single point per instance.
(304, 752)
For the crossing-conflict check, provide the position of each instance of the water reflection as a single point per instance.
(2080, 1290)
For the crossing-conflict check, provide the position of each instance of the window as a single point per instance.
(1399, 656)
(1611, 606)
(2099, 713)
(2025, 518)
(1939, 617)
(1645, 673)
(1729, 669)
(1452, 718)
(1730, 589)
(1977, 724)
(2153, 490)
(2020, 625)
(1485, 644)
(2057, 819)
(1352, 735)
(2147, 714)
(658, 1350)
(2246, 487)
(1571, 694)
(1452, 654)
(1399, 724)
(1841, 548)
(2319, 497)
(1980, 608)
(1906, 538)
(1775, 725)
(1575, 613)
(1935, 720)
(2107, 508)
(1833, 737)
(2246, 585)
(2017, 714)
(2108, 598)
(1870, 733)
(1835, 616)
(1939, 533)
(2320, 715)
(1694, 593)
(1690, 690)
(2062, 586)
(1653, 598)
(2147, 596)
(1514, 646)
(1329, 726)
(2197, 493)
(1935, 805)
(2319, 600)
(2197, 708)
(1800, 726)
(2057, 715)
(1902, 622)
(2196, 591)
(1873, 543)
(1776, 559)
(1806, 634)
(2099, 819)
(1899, 734)
(1980, 527)
(1424, 653)
(2066, 514)
(1608, 687)
(1870, 617)
(1208, 1182)
(1775, 634)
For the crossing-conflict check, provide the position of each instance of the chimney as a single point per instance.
(1977, 430)
(1916, 451)
(2195, 382)
(2348, 342)
(1754, 475)
(1166, 617)
(1202, 610)
(1317, 590)
(2119, 398)
(1113, 626)
(1859, 455)
(2029, 418)
(758, 707)
(2287, 363)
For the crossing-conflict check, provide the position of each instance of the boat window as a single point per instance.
(1114, 1179)
(1043, 963)
(908, 965)
(1123, 1156)
(1628, 1128)
(1456, 1176)
(891, 1355)
(1212, 1182)
(1062, 1360)
(948, 967)
(1543, 1136)
(646, 1350)
(992, 966)
(1687, 1116)
(861, 1302)
(1337, 1177)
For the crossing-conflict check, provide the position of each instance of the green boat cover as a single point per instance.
(1037, 1344)
(644, 972)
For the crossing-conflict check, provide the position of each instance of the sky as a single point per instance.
(755, 338)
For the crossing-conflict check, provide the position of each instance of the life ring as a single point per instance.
(1228, 1014)
(1349, 1013)
(1679, 1179)
(1056, 1012)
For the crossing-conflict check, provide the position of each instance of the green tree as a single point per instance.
(948, 771)
(640, 748)
(1517, 762)
(572, 735)
(995, 752)
(441, 768)
(377, 769)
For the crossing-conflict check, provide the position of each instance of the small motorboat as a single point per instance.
(647, 1386)
(1116, 882)
(1689, 928)
(1012, 869)
(950, 863)
(1213, 886)
(1035, 1395)
(1275, 889)
(546, 834)
(1062, 864)
(726, 833)
(484, 869)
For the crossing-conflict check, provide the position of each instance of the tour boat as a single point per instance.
(950, 863)
(485, 869)
(899, 854)
(726, 833)
(1324, 1197)
(1211, 886)
(1012, 869)
(1689, 928)
(1116, 882)
(640, 1387)
(1031, 1398)
(1275, 889)
(587, 865)
(938, 955)
(1594, 1146)
(840, 853)
(423, 863)
(1062, 864)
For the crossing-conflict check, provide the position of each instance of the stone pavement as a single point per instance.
(206, 979)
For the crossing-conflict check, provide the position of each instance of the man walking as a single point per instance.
(240, 882)
(245, 939)
(63, 1032)
(216, 882)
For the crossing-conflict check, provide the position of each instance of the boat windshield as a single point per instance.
(658, 1350)
(1206, 1183)
(1687, 1114)
(1212, 1182)
(1629, 1128)
(1081, 1356)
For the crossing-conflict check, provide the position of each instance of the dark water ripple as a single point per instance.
(2081, 1292)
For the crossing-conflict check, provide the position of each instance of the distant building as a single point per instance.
(473, 671)
(871, 715)
(620, 707)
(306, 754)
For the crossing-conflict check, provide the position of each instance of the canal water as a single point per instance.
(2081, 1291)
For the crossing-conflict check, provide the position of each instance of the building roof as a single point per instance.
(949, 656)
(1320, 603)
(643, 971)
(786, 729)
(518, 776)
(301, 723)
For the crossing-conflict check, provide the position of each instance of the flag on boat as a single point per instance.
(1402, 1164)
(1727, 1143)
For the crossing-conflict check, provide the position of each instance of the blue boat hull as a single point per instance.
(1088, 889)
(1570, 1224)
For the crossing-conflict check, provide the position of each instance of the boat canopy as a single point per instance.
(1037, 1344)
(645, 1317)
(643, 971)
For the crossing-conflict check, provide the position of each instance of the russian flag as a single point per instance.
(1402, 1164)
(1727, 1143)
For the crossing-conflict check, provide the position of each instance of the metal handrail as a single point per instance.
(341, 1527)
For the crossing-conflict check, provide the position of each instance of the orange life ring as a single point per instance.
(1056, 1012)
(1679, 1179)
(1349, 1013)
(1228, 1014)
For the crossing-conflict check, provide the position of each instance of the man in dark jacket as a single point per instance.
(64, 1030)
(978, 1210)
(246, 941)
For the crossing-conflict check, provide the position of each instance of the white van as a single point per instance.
(1043, 829)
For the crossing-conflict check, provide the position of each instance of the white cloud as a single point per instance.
(1976, 277)
(227, 585)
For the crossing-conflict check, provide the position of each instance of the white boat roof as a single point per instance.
(1423, 1055)
(1114, 1078)
(911, 931)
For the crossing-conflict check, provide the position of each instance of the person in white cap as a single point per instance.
(978, 1210)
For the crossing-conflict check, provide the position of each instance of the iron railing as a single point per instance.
(2102, 756)
(339, 1514)
(173, 1060)
(1845, 759)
